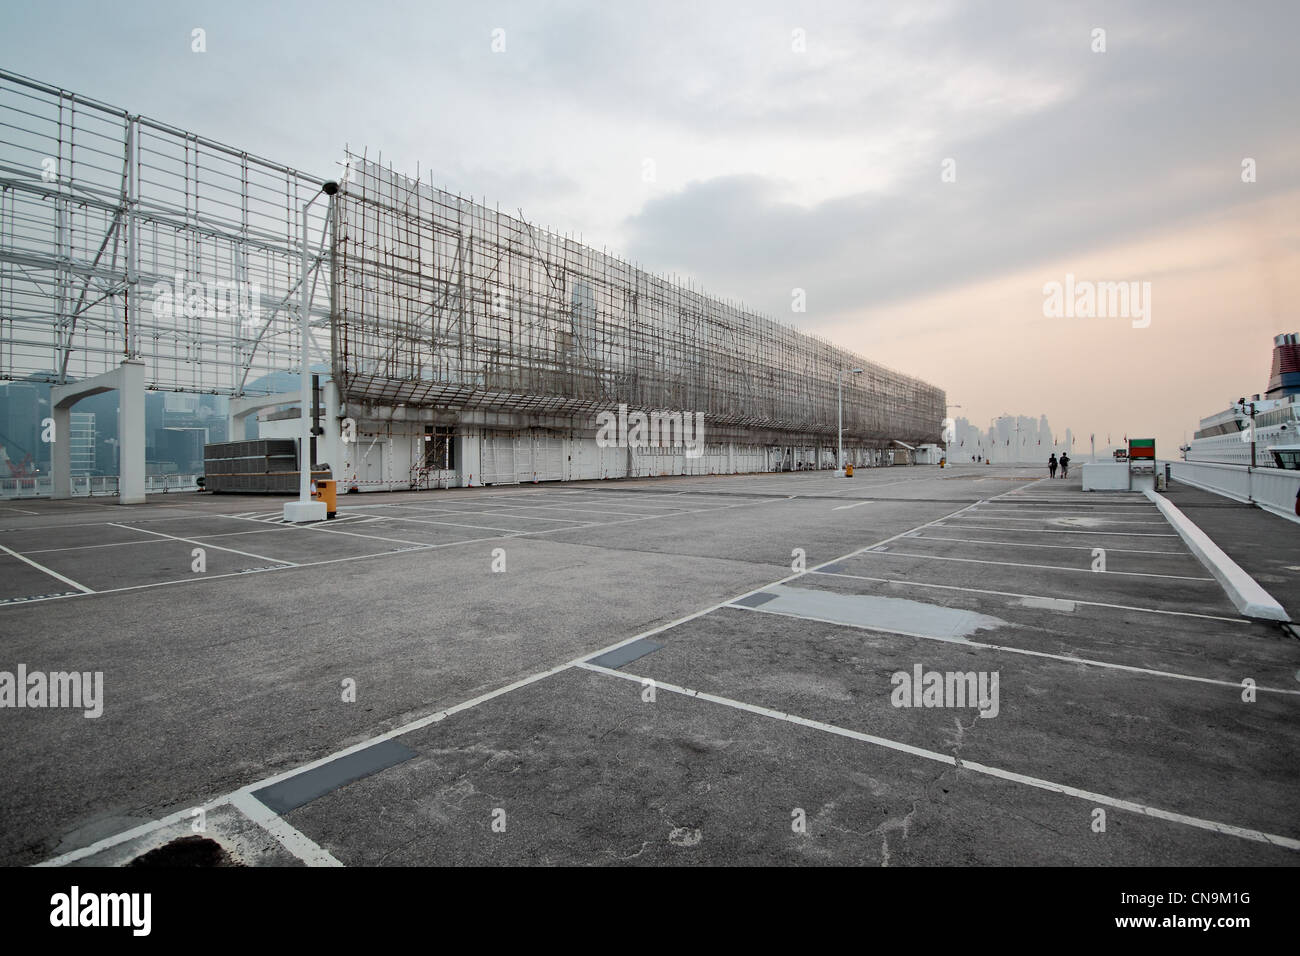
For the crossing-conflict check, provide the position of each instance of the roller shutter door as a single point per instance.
(548, 458)
(539, 457)
(497, 454)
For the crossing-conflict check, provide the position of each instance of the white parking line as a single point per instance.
(291, 839)
(1226, 829)
(1003, 517)
(113, 840)
(414, 546)
(1061, 514)
(1122, 534)
(964, 642)
(1040, 567)
(584, 507)
(462, 511)
(40, 567)
(1033, 597)
(202, 544)
(1058, 547)
(857, 504)
(162, 540)
(484, 527)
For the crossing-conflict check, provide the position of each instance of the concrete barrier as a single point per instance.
(1105, 476)
(1243, 590)
(1273, 489)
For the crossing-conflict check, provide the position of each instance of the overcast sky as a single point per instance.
(761, 148)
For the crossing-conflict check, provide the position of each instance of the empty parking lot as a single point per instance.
(695, 670)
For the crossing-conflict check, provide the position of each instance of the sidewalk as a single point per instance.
(1267, 547)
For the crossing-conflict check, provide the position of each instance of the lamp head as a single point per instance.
(330, 188)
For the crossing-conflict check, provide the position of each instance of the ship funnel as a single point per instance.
(1285, 377)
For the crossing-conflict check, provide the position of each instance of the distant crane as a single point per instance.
(24, 469)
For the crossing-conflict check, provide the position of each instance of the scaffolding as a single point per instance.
(446, 302)
(125, 238)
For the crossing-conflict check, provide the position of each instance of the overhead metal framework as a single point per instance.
(125, 238)
(122, 238)
(443, 301)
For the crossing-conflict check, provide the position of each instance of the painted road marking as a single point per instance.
(1032, 597)
(1244, 833)
(966, 642)
(293, 840)
(1040, 567)
(73, 856)
(1058, 547)
(217, 547)
(38, 597)
(40, 567)
(1121, 534)
(846, 507)
(1004, 517)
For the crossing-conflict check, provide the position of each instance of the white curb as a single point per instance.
(1251, 599)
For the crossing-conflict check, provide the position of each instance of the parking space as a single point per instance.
(700, 670)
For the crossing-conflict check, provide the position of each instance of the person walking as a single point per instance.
(1051, 465)
(1065, 465)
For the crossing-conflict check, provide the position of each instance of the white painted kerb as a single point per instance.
(1251, 599)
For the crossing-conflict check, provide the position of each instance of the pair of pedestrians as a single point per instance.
(1064, 463)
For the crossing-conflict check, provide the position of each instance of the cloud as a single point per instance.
(1154, 138)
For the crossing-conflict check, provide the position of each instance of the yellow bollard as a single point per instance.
(327, 491)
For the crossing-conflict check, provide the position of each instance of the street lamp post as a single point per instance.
(304, 508)
(947, 450)
(1250, 408)
(840, 459)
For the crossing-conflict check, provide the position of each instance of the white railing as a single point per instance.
(93, 486)
(1273, 489)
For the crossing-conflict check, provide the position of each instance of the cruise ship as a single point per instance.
(1225, 437)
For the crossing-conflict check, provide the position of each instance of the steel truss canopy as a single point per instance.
(122, 237)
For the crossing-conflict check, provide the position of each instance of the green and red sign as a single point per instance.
(1142, 448)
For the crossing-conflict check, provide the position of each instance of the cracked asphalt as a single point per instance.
(762, 731)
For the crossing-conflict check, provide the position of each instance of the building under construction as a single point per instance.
(455, 345)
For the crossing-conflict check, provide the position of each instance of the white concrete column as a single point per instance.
(328, 447)
(130, 434)
(128, 380)
(61, 452)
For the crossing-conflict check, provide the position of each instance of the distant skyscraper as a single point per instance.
(20, 424)
(83, 443)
